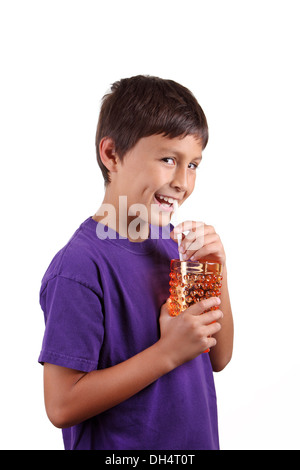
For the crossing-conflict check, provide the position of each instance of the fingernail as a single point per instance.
(218, 300)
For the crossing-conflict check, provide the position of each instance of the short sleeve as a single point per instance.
(74, 325)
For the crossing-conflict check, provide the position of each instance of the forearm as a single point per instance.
(72, 396)
(83, 396)
(221, 354)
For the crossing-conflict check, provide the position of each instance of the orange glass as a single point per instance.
(192, 281)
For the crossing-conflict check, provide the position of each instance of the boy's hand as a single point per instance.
(189, 334)
(201, 242)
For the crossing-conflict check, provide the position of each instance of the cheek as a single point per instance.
(154, 180)
(191, 184)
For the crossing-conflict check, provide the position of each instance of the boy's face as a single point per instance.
(158, 167)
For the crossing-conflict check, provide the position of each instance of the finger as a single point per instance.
(211, 342)
(198, 234)
(204, 305)
(209, 229)
(206, 250)
(195, 238)
(213, 328)
(198, 243)
(165, 308)
(193, 225)
(187, 225)
(176, 236)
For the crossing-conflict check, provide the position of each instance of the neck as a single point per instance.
(113, 213)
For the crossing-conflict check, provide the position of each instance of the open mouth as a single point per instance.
(165, 202)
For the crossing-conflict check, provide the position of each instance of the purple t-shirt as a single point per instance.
(101, 300)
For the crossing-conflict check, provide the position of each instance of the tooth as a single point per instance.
(170, 200)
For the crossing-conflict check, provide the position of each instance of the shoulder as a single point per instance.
(77, 260)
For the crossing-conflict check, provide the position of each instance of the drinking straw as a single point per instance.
(183, 265)
(179, 235)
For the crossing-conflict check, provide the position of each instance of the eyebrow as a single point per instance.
(177, 153)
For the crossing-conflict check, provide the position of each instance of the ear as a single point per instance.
(108, 154)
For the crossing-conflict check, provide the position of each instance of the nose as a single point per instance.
(179, 181)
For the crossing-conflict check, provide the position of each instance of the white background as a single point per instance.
(241, 60)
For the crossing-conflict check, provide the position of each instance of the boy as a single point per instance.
(119, 371)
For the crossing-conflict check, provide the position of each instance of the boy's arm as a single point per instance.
(220, 356)
(203, 243)
(72, 396)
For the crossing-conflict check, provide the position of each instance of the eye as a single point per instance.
(169, 160)
(194, 166)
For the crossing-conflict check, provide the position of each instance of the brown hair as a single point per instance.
(141, 106)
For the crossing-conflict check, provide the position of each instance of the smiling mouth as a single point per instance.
(165, 202)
